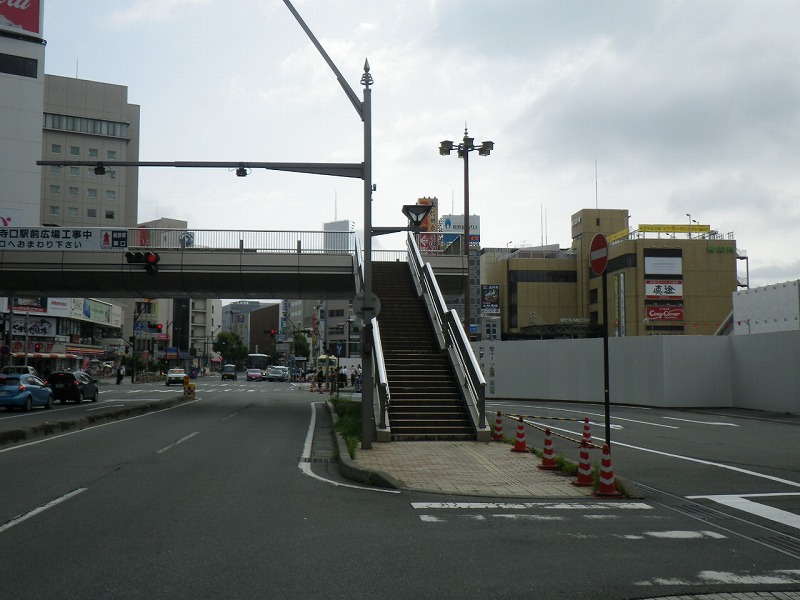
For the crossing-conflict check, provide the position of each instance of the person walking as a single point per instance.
(120, 373)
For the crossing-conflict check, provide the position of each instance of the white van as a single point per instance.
(19, 370)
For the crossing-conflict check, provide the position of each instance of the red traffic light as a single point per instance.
(159, 327)
(148, 259)
(272, 332)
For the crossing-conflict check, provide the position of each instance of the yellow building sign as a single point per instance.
(675, 228)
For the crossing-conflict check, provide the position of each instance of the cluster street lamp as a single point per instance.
(466, 146)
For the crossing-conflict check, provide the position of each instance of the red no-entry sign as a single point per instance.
(598, 254)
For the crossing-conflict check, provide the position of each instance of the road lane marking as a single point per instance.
(41, 509)
(305, 465)
(586, 413)
(528, 505)
(180, 441)
(105, 406)
(711, 464)
(740, 502)
(50, 438)
(701, 422)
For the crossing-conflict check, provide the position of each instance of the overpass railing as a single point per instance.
(282, 242)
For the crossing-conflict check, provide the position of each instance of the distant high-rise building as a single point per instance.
(89, 120)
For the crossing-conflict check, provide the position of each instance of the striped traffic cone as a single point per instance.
(519, 444)
(498, 427)
(311, 389)
(587, 431)
(607, 485)
(548, 458)
(584, 468)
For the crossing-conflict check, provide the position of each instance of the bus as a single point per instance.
(258, 361)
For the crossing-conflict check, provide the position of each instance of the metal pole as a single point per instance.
(607, 398)
(367, 388)
(26, 339)
(467, 327)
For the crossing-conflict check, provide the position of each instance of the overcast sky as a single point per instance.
(685, 107)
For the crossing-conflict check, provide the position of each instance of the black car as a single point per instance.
(229, 372)
(77, 386)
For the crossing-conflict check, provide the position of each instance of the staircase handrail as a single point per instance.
(451, 335)
(381, 380)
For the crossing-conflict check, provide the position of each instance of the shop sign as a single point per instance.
(664, 313)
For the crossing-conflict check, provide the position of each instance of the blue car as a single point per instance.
(24, 391)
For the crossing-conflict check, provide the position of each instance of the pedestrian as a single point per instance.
(353, 375)
(320, 378)
(343, 377)
(120, 373)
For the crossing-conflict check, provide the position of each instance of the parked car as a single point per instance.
(19, 370)
(229, 372)
(77, 386)
(175, 376)
(254, 375)
(24, 391)
(277, 373)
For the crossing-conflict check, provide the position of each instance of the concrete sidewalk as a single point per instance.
(487, 469)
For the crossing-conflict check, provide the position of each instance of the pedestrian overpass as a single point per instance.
(86, 262)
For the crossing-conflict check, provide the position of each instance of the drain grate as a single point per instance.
(319, 460)
(700, 512)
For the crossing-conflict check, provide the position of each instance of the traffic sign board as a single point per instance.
(598, 254)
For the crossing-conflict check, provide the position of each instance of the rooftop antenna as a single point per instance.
(541, 223)
(335, 205)
(595, 184)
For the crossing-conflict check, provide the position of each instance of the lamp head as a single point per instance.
(486, 148)
(416, 213)
(445, 147)
(241, 172)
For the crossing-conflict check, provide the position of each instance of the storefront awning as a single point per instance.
(43, 355)
(86, 351)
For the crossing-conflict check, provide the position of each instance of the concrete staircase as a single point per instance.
(426, 402)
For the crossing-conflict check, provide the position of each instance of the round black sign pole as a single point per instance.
(598, 258)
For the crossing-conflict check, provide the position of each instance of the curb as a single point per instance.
(355, 472)
(14, 436)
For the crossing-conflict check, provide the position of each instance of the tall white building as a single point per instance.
(21, 105)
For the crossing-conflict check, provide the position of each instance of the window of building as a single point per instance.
(112, 174)
(72, 211)
(593, 296)
(111, 154)
(55, 170)
(91, 213)
(75, 150)
(91, 193)
(110, 214)
(74, 171)
(55, 189)
(111, 195)
(94, 153)
(54, 210)
(73, 191)
(55, 148)
(19, 65)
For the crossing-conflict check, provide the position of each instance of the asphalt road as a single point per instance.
(209, 499)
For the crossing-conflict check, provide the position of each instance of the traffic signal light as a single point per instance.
(159, 327)
(148, 259)
(37, 347)
(272, 332)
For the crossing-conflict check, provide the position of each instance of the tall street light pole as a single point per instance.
(466, 146)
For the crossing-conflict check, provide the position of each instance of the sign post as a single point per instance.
(598, 258)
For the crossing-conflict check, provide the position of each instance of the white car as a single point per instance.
(175, 376)
(278, 373)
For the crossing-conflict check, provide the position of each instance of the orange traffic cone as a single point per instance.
(607, 485)
(584, 468)
(311, 389)
(519, 444)
(548, 458)
(320, 388)
(498, 427)
(587, 431)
